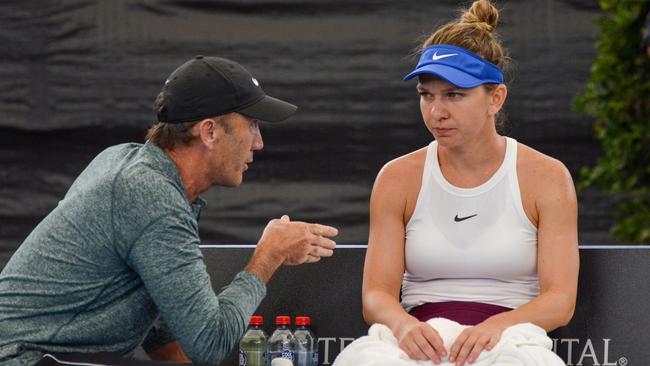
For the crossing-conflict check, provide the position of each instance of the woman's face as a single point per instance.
(458, 116)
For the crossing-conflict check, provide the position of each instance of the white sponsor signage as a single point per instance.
(574, 351)
(587, 352)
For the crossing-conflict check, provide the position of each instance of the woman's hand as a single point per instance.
(419, 340)
(472, 341)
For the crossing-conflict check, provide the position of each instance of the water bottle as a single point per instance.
(252, 346)
(307, 353)
(282, 343)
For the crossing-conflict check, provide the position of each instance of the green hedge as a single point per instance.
(618, 96)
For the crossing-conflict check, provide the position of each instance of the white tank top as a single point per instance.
(470, 244)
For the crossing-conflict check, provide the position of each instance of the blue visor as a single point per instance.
(458, 66)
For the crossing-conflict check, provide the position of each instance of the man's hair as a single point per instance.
(170, 135)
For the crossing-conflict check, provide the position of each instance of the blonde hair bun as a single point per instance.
(481, 11)
(474, 31)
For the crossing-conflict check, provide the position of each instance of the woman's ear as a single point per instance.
(497, 98)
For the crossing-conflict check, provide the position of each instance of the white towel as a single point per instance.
(520, 345)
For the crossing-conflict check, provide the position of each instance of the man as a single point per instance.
(121, 249)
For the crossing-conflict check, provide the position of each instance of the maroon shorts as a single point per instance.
(466, 313)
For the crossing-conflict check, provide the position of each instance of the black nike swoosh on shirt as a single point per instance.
(459, 219)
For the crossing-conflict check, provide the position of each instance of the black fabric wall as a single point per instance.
(78, 76)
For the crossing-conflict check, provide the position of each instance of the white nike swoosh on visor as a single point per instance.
(436, 57)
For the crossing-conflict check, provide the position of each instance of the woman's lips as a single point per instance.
(443, 131)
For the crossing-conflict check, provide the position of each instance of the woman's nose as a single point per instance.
(438, 110)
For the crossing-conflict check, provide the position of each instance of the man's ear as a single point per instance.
(209, 131)
(497, 98)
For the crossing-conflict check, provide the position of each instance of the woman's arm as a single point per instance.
(557, 264)
(557, 253)
(384, 268)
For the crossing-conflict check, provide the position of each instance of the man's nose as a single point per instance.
(258, 143)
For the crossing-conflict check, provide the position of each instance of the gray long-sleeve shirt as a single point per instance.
(120, 250)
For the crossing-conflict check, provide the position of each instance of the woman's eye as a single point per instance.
(454, 95)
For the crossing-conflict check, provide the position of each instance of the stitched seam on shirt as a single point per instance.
(141, 233)
(137, 237)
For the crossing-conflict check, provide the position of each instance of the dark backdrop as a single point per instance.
(78, 76)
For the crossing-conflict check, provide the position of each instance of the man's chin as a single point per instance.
(234, 182)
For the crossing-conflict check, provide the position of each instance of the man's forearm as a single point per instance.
(263, 265)
(171, 352)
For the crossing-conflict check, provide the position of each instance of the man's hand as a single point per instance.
(419, 340)
(299, 242)
(291, 243)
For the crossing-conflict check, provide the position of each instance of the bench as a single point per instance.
(610, 326)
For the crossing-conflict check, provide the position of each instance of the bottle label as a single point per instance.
(252, 358)
(287, 353)
(243, 359)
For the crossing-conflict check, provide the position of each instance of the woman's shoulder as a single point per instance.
(541, 172)
(536, 163)
(404, 166)
(398, 183)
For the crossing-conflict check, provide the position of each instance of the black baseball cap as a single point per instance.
(205, 87)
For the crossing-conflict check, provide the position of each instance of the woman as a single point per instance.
(476, 227)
